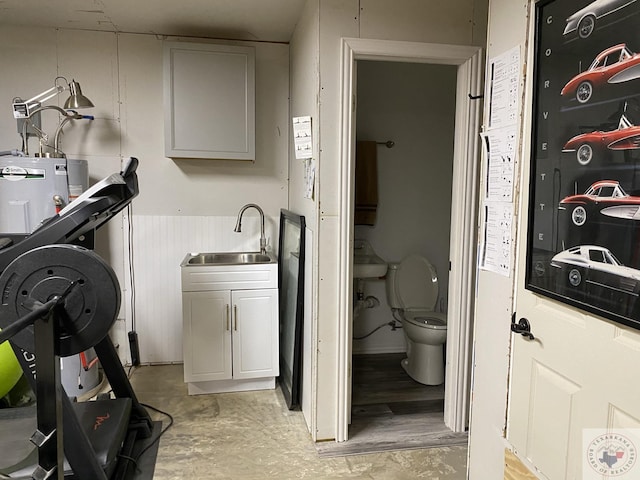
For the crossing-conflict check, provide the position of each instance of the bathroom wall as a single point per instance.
(461, 22)
(412, 105)
(183, 205)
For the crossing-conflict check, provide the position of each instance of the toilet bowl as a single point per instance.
(412, 292)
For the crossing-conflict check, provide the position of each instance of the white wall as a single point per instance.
(447, 22)
(413, 105)
(305, 81)
(494, 296)
(457, 22)
(122, 74)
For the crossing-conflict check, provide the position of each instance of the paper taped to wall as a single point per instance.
(302, 137)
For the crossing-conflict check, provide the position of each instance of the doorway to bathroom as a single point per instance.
(418, 96)
(405, 113)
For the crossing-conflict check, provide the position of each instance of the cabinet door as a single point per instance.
(209, 95)
(255, 333)
(206, 335)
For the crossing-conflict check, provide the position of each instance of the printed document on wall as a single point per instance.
(504, 88)
(302, 143)
(309, 177)
(500, 148)
(496, 252)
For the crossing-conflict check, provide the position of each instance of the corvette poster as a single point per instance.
(584, 219)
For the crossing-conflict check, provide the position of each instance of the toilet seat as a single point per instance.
(426, 319)
(417, 283)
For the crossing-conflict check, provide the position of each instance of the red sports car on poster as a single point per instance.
(606, 197)
(616, 64)
(625, 137)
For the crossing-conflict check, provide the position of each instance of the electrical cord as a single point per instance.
(136, 459)
(131, 269)
(162, 432)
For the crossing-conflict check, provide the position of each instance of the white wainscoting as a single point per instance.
(159, 244)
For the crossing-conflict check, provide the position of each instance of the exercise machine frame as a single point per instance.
(55, 411)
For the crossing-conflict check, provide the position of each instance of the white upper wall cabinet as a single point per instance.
(209, 100)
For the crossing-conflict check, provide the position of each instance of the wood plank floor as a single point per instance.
(390, 411)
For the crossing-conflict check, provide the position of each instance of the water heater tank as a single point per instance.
(30, 185)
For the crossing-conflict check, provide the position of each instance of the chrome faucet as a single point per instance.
(263, 239)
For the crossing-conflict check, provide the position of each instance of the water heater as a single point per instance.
(33, 189)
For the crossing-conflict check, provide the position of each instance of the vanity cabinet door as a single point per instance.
(255, 333)
(207, 335)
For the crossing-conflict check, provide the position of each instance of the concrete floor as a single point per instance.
(252, 435)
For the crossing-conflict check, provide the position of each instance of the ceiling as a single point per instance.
(257, 20)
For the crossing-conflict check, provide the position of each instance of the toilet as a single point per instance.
(412, 292)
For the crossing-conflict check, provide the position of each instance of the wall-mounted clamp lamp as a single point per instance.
(27, 112)
(24, 108)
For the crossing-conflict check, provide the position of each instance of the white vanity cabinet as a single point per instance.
(230, 331)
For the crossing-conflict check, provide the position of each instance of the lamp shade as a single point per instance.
(76, 99)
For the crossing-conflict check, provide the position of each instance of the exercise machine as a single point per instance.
(57, 300)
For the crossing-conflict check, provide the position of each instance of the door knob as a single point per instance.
(523, 327)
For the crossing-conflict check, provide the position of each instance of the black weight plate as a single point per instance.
(88, 312)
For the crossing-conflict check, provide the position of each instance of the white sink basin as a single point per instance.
(366, 264)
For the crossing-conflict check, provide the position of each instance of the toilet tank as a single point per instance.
(390, 284)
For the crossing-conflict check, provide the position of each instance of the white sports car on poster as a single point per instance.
(597, 269)
(584, 20)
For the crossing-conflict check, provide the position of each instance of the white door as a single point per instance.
(578, 376)
(576, 380)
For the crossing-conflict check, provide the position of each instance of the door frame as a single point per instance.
(463, 214)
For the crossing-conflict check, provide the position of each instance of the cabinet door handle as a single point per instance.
(228, 326)
(235, 317)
